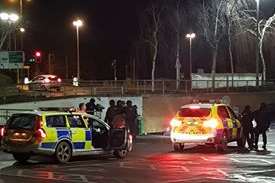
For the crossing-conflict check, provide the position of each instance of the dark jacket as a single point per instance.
(246, 120)
(262, 119)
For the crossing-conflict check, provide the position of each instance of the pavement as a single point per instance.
(152, 161)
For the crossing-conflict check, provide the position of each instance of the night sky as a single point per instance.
(111, 28)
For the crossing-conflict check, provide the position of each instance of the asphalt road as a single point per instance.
(152, 161)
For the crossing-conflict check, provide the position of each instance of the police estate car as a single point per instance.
(207, 123)
(62, 134)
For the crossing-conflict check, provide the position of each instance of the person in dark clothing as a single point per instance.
(91, 107)
(246, 121)
(111, 112)
(131, 115)
(263, 122)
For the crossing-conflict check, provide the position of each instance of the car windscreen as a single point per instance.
(188, 112)
(22, 121)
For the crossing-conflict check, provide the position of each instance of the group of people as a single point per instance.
(122, 114)
(252, 132)
(118, 114)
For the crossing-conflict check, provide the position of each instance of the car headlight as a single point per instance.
(175, 122)
(211, 123)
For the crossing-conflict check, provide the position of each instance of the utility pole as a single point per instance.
(257, 43)
(114, 65)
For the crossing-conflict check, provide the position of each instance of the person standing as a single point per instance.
(91, 107)
(263, 122)
(131, 116)
(111, 112)
(246, 121)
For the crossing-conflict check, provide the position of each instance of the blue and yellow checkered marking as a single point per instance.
(82, 140)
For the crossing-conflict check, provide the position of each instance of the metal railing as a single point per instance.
(134, 87)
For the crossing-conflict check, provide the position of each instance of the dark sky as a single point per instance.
(111, 27)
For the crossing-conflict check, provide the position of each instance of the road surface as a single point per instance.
(152, 161)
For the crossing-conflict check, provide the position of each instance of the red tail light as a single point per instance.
(39, 133)
(59, 80)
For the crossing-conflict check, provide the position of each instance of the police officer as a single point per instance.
(131, 116)
(246, 120)
(263, 122)
(111, 112)
(91, 107)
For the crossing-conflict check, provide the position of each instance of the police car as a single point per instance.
(207, 123)
(63, 135)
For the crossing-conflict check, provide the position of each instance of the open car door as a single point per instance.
(118, 138)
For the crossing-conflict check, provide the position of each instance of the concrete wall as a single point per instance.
(71, 102)
(159, 110)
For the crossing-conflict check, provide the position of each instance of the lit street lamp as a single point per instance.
(190, 36)
(77, 23)
(22, 29)
(9, 18)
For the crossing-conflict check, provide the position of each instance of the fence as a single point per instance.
(133, 88)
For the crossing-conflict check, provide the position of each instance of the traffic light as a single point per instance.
(38, 57)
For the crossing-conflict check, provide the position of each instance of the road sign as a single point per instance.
(12, 59)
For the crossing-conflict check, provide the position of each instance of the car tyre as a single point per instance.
(178, 147)
(21, 158)
(63, 153)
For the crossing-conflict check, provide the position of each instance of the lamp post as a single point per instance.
(190, 36)
(78, 23)
(257, 42)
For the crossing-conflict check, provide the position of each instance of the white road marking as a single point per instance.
(235, 160)
(185, 169)
(268, 162)
(222, 172)
(204, 158)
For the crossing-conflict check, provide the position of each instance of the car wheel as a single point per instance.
(130, 144)
(63, 152)
(221, 146)
(21, 158)
(120, 154)
(178, 147)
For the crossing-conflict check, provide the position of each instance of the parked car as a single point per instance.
(45, 82)
(62, 135)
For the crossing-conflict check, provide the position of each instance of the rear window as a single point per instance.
(187, 112)
(22, 121)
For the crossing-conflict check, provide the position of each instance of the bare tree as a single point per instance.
(177, 21)
(263, 28)
(212, 22)
(151, 29)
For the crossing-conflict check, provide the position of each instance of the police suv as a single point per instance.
(63, 135)
(207, 123)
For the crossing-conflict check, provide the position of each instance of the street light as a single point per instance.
(22, 29)
(9, 17)
(78, 23)
(257, 42)
(190, 36)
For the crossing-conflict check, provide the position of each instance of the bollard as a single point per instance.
(140, 121)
